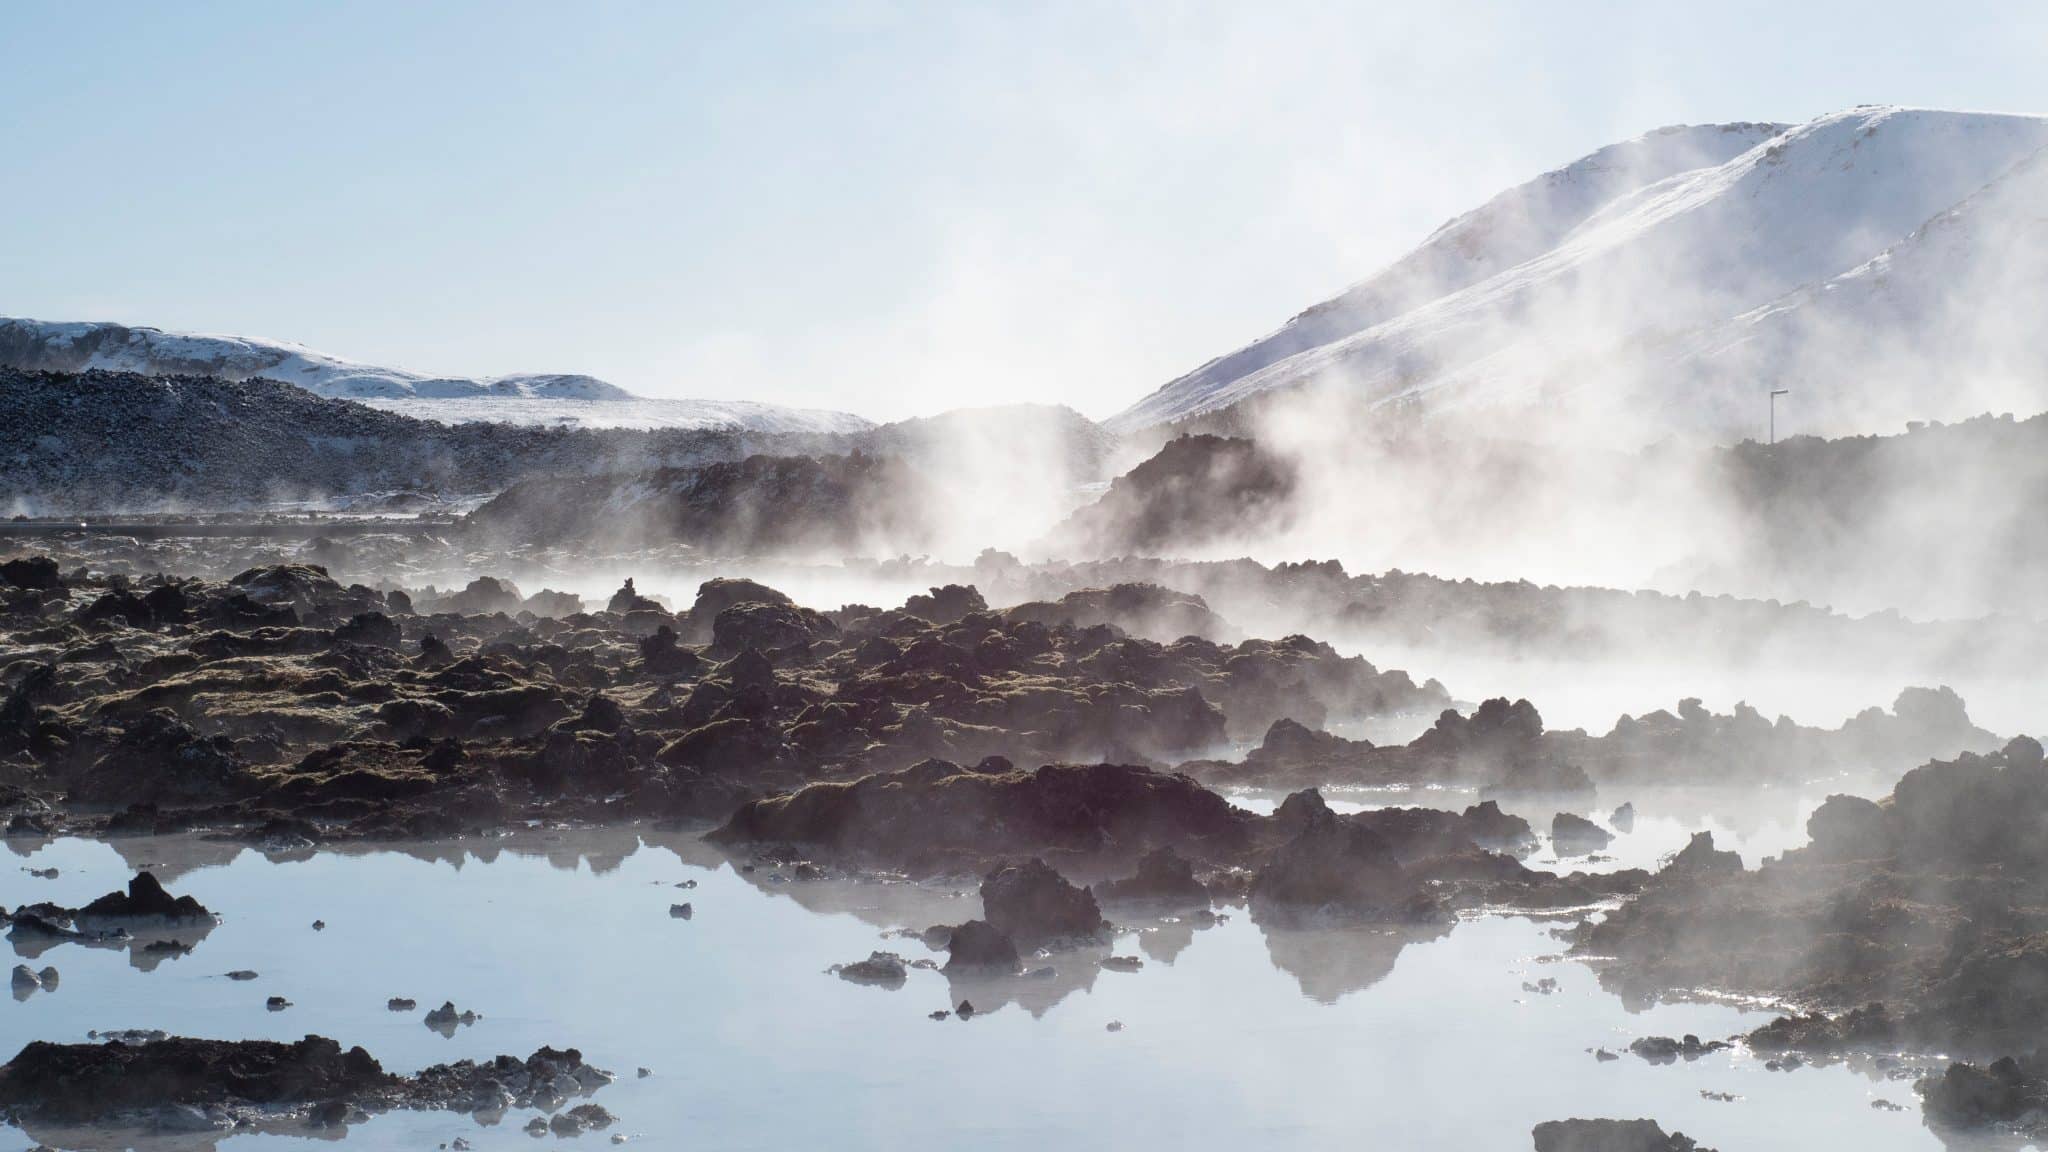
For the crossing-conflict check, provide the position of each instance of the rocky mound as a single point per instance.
(121, 1083)
(1165, 881)
(1195, 491)
(1503, 749)
(936, 814)
(1144, 610)
(1037, 908)
(828, 505)
(1928, 906)
(1333, 871)
(2010, 1094)
(1610, 1136)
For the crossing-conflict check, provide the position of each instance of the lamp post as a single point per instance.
(1775, 393)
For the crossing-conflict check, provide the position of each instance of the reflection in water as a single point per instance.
(1165, 938)
(156, 1139)
(146, 948)
(884, 903)
(173, 858)
(1046, 980)
(1365, 1037)
(1330, 963)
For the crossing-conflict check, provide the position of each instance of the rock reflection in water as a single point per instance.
(1331, 963)
(737, 1008)
(1047, 979)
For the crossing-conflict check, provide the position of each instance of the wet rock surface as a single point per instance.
(1503, 748)
(124, 1082)
(980, 947)
(1610, 1136)
(282, 700)
(883, 969)
(1037, 908)
(937, 814)
(2009, 1094)
(1917, 919)
(1573, 835)
(1164, 881)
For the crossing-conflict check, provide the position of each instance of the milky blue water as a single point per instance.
(1232, 1038)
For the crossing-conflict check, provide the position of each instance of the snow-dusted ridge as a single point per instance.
(1612, 267)
(523, 398)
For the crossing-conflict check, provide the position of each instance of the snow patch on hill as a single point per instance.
(521, 398)
(633, 412)
(1641, 273)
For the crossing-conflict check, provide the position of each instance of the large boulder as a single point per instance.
(980, 947)
(34, 572)
(1336, 871)
(1036, 907)
(1572, 835)
(1165, 881)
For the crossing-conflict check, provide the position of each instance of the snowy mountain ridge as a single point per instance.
(522, 398)
(1619, 294)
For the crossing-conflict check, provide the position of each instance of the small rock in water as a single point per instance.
(1114, 1026)
(883, 969)
(1122, 963)
(965, 1010)
(459, 1144)
(1883, 1105)
(1719, 1097)
(1543, 987)
(1603, 1055)
(319, 925)
(277, 1003)
(129, 1035)
(49, 978)
(242, 974)
(643, 1073)
(1665, 1050)
(681, 911)
(445, 1018)
(941, 1014)
(401, 1004)
(686, 883)
(25, 980)
(537, 1127)
(1624, 818)
(42, 873)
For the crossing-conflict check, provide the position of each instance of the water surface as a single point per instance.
(1232, 1038)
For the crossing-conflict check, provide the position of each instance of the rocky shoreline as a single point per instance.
(1052, 751)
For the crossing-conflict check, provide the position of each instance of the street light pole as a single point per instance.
(1775, 393)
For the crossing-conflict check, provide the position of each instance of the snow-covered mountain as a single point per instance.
(525, 398)
(1942, 324)
(1621, 274)
(633, 412)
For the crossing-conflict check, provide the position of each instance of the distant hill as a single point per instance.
(527, 398)
(113, 441)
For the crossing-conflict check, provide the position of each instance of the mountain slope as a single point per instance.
(1516, 225)
(525, 398)
(1650, 265)
(1953, 304)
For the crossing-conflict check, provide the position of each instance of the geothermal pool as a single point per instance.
(1231, 1038)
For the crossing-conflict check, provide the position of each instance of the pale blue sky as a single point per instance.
(889, 208)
